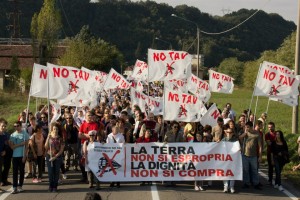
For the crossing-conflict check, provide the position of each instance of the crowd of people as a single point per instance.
(64, 144)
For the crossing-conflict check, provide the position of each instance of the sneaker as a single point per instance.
(232, 190)
(64, 176)
(225, 189)
(39, 180)
(14, 191)
(276, 186)
(20, 189)
(201, 188)
(28, 175)
(197, 188)
(54, 190)
(280, 188)
(35, 180)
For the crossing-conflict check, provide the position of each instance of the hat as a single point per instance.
(93, 132)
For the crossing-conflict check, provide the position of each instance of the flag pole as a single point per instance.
(48, 105)
(248, 114)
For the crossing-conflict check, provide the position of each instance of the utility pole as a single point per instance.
(295, 108)
(14, 17)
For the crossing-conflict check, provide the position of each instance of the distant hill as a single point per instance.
(133, 27)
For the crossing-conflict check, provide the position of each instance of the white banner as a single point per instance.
(276, 82)
(168, 65)
(140, 71)
(181, 107)
(39, 83)
(211, 116)
(100, 78)
(176, 85)
(198, 87)
(115, 81)
(165, 162)
(219, 82)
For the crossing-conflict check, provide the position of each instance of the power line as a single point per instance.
(62, 7)
(219, 33)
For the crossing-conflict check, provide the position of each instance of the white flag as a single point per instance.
(275, 82)
(56, 111)
(168, 65)
(291, 101)
(155, 105)
(138, 98)
(140, 71)
(198, 87)
(219, 82)
(181, 107)
(176, 85)
(100, 78)
(115, 81)
(39, 82)
(211, 116)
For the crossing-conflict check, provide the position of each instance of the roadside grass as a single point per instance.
(12, 104)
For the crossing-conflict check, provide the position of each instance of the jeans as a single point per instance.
(278, 163)
(72, 151)
(229, 184)
(270, 167)
(38, 163)
(53, 171)
(18, 166)
(6, 164)
(250, 163)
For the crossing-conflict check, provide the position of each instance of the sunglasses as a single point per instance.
(92, 135)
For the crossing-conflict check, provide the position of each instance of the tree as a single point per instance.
(45, 30)
(86, 50)
(233, 68)
(15, 74)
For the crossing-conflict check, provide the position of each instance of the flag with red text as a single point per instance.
(181, 106)
(219, 82)
(168, 65)
(140, 71)
(198, 87)
(39, 82)
(211, 116)
(116, 81)
(176, 85)
(277, 82)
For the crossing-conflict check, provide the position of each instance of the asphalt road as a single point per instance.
(73, 189)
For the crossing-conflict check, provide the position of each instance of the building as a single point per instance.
(22, 49)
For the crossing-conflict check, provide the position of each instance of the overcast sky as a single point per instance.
(286, 8)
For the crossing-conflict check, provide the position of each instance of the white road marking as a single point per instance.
(5, 194)
(154, 192)
(285, 191)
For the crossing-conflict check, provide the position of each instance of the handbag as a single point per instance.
(285, 157)
(30, 155)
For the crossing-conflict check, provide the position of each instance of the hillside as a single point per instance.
(133, 27)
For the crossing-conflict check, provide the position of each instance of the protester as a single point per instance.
(198, 184)
(87, 125)
(18, 143)
(71, 130)
(250, 159)
(7, 156)
(92, 196)
(54, 147)
(3, 143)
(87, 145)
(279, 154)
(115, 137)
(36, 146)
(217, 131)
(269, 138)
(229, 137)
